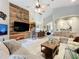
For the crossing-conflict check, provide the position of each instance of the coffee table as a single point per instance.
(49, 49)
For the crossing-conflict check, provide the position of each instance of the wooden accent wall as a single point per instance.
(21, 15)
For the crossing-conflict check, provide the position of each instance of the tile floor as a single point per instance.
(33, 46)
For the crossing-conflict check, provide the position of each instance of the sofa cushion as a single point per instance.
(76, 39)
(12, 46)
(63, 39)
(72, 43)
(4, 53)
(65, 34)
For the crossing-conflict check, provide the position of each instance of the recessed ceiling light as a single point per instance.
(73, 0)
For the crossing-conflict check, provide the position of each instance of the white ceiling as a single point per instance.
(62, 3)
(30, 5)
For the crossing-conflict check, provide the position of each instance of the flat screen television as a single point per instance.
(3, 29)
(21, 27)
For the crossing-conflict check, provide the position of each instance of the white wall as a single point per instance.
(72, 21)
(72, 10)
(4, 7)
(50, 26)
(65, 11)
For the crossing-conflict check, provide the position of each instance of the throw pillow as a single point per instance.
(12, 46)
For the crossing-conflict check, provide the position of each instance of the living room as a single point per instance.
(39, 29)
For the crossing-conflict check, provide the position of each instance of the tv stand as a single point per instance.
(19, 36)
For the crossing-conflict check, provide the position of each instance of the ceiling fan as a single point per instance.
(40, 8)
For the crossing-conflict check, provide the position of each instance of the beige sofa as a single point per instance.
(11, 49)
(70, 43)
